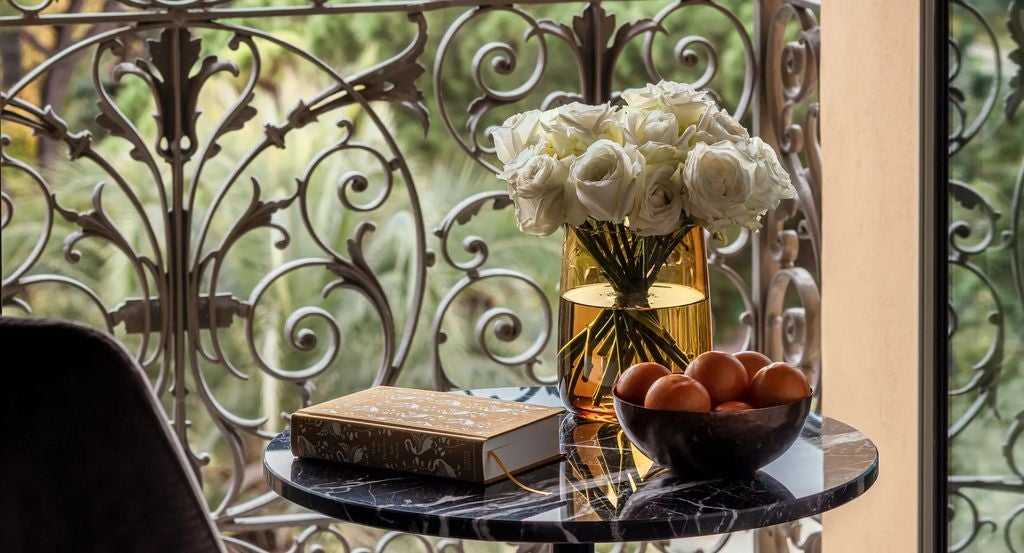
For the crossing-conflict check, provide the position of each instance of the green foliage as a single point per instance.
(442, 173)
(985, 299)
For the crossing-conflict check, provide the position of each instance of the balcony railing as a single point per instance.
(249, 213)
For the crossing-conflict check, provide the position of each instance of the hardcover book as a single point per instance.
(428, 432)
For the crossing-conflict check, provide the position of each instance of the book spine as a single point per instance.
(389, 448)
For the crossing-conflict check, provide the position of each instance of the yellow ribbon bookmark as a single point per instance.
(513, 478)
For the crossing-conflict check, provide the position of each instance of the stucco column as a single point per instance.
(870, 114)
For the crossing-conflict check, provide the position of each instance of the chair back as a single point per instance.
(88, 460)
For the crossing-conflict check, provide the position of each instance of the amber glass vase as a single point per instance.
(627, 298)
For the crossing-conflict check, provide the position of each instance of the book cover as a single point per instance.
(420, 431)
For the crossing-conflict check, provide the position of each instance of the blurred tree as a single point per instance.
(45, 42)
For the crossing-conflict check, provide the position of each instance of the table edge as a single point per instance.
(548, 531)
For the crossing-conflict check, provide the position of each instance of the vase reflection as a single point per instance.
(601, 469)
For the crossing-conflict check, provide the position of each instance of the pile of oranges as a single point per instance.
(714, 381)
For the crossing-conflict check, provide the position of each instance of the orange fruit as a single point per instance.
(778, 384)
(721, 374)
(753, 361)
(678, 392)
(635, 381)
(732, 406)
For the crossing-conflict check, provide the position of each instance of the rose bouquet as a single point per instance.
(632, 181)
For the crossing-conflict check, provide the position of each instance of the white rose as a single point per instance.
(544, 200)
(771, 181)
(679, 99)
(586, 118)
(656, 153)
(686, 103)
(686, 141)
(516, 134)
(646, 98)
(605, 179)
(718, 180)
(717, 125)
(681, 92)
(641, 126)
(659, 203)
(572, 128)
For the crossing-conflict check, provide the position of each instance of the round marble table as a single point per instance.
(601, 491)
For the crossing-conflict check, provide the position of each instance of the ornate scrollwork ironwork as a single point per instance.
(986, 302)
(719, 257)
(189, 191)
(593, 38)
(176, 275)
(791, 84)
(965, 127)
(503, 323)
(596, 42)
(688, 49)
(1015, 25)
(788, 249)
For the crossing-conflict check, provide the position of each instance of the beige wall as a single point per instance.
(869, 104)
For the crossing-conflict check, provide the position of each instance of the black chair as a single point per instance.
(88, 461)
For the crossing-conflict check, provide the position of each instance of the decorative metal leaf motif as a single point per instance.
(597, 43)
(394, 80)
(298, 117)
(171, 59)
(57, 129)
(1015, 96)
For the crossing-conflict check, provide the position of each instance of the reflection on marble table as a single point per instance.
(603, 490)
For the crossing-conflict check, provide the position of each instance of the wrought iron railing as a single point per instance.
(986, 266)
(160, 253)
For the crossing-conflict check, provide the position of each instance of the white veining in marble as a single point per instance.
(599, 491)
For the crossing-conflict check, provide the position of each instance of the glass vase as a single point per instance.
(625, 299)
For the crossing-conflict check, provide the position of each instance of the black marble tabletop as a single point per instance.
(602, 491)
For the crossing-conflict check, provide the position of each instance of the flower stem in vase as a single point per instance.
(623, 321)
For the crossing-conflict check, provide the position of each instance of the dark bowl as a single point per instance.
(713, 445)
